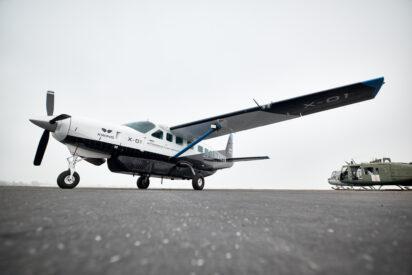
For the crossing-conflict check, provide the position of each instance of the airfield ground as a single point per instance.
(127, 231)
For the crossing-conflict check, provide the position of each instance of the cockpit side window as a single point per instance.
(344, 173)
(169, 137)
(141, 126)
(158, 134)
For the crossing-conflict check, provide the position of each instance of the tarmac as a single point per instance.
(130, 231)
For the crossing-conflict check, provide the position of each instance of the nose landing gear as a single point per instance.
(69, 179)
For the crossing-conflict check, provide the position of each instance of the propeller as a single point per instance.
(50, 103)
(48, 126)
(41, 148)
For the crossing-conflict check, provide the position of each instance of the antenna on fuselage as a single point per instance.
(260, 107)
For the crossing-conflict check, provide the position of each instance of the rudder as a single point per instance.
(229, 147)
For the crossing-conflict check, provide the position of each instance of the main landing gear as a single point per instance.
(69, 179)
(143, 182)
(198, 182)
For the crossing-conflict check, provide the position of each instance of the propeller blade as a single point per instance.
(50, 103)
(59, 117)
(41, 148)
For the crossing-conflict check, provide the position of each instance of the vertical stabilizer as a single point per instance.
(229, 147)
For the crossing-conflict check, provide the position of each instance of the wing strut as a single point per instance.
(213, 128)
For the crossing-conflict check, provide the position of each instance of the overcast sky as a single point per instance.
(177, 61)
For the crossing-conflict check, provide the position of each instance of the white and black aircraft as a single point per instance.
(151, 150)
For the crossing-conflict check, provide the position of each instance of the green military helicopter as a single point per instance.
(372, 175)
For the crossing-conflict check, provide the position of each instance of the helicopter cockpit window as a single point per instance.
(344, 173)
(141, 126)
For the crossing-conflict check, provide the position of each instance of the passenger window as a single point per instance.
(200, 149)
(158, 134)
(169, 137)
(369, 171)
(179, 140)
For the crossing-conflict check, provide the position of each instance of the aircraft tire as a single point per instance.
(64, 181)
(143, 182)
(198, 182)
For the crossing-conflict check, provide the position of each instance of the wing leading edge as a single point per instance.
(280, 111)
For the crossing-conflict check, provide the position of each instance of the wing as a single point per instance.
(281, 111)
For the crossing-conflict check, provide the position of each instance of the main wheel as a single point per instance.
(65, 181)
(198, 182)
(143, 182)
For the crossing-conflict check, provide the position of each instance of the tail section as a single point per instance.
(229, 153)
(230, 160)
(229, 147)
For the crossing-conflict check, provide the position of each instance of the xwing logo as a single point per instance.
(107, 133)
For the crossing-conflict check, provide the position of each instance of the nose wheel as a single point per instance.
(69, 179)
(143, 182)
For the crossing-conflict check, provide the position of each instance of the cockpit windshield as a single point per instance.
(141, 126)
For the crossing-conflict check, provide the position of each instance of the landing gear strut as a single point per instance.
(69, 179)
(143, 182)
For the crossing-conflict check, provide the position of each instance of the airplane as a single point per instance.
(146, 149)
(379, 172)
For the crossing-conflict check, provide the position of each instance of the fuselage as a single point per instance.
(378, 172)
(138, 148)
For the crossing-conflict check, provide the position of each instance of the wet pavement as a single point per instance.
(128, 231)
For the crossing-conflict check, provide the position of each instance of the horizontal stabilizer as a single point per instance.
(246, 159)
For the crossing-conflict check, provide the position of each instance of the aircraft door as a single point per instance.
(354, 173)
(170, 143)
(156, 141)
(372, 174)
(376, 176)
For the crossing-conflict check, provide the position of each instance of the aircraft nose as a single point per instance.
(44, 123)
